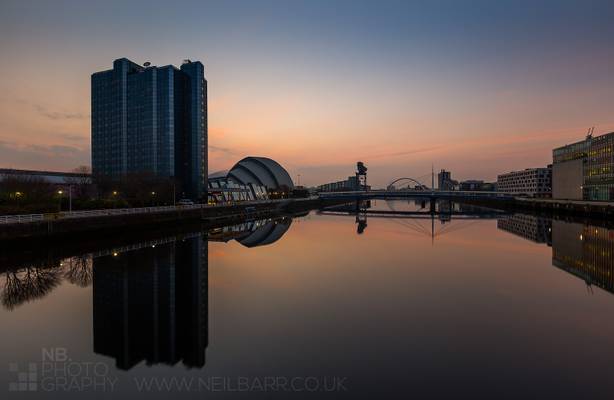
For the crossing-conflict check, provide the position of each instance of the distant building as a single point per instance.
(56, 178)
(252, 178)
(472, 185)
(350, 184)
(148, 119)
(584, 170)
(534, 182)
(489, 187)
(444, 180)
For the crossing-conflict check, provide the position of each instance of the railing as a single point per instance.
(125, 211)
(14, 219)
(18, 219)
(25, 218)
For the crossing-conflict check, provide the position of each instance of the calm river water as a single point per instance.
(320, 306)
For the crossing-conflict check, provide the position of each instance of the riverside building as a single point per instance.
(584, 170)
(149, 119)
(534, 182)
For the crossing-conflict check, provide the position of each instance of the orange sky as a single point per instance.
(320, 95)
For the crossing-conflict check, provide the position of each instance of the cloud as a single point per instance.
(406, 152)
(45, 157)
(74, 138)
(224, 150)
(57, 115)
(52, 114)
(54, 149)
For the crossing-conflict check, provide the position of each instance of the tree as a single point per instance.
(81, 185)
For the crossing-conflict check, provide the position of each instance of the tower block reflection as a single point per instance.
(584, 251)
(151, 304)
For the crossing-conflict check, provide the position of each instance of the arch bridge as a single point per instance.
(421, 186)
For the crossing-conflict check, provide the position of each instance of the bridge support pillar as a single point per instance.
(432, 206)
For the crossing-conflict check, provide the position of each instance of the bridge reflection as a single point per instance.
(150, 298)
(444, 211)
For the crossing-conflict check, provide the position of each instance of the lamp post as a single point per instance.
(69, 198)
(60, 192)
(18, 197)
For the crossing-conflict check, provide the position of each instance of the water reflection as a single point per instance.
(252, 233)
(419, 216)
(150, 298)
(583, 250)
(151, 304)
(533, 228)
(30, 283)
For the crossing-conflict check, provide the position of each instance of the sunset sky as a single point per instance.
(476, 87)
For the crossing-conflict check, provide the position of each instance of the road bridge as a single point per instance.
(432, 196)
(414, 194)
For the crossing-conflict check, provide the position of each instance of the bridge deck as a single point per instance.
(416, 194)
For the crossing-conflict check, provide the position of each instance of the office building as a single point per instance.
(584, 170)
(348, 185)
(151, 120)
(471, 185)
(534, 182)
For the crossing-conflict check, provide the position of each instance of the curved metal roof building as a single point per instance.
(260, 171)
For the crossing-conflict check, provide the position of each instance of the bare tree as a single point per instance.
(28, 284)
(82, 184)
(79, 270)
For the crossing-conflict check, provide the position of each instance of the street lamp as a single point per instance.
(60, 192)
(18, 197)
(114, 194)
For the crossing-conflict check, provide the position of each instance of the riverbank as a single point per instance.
(550, 207)
(63, 228)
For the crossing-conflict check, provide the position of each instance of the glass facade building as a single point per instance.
(148, 119)
(597, 158)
